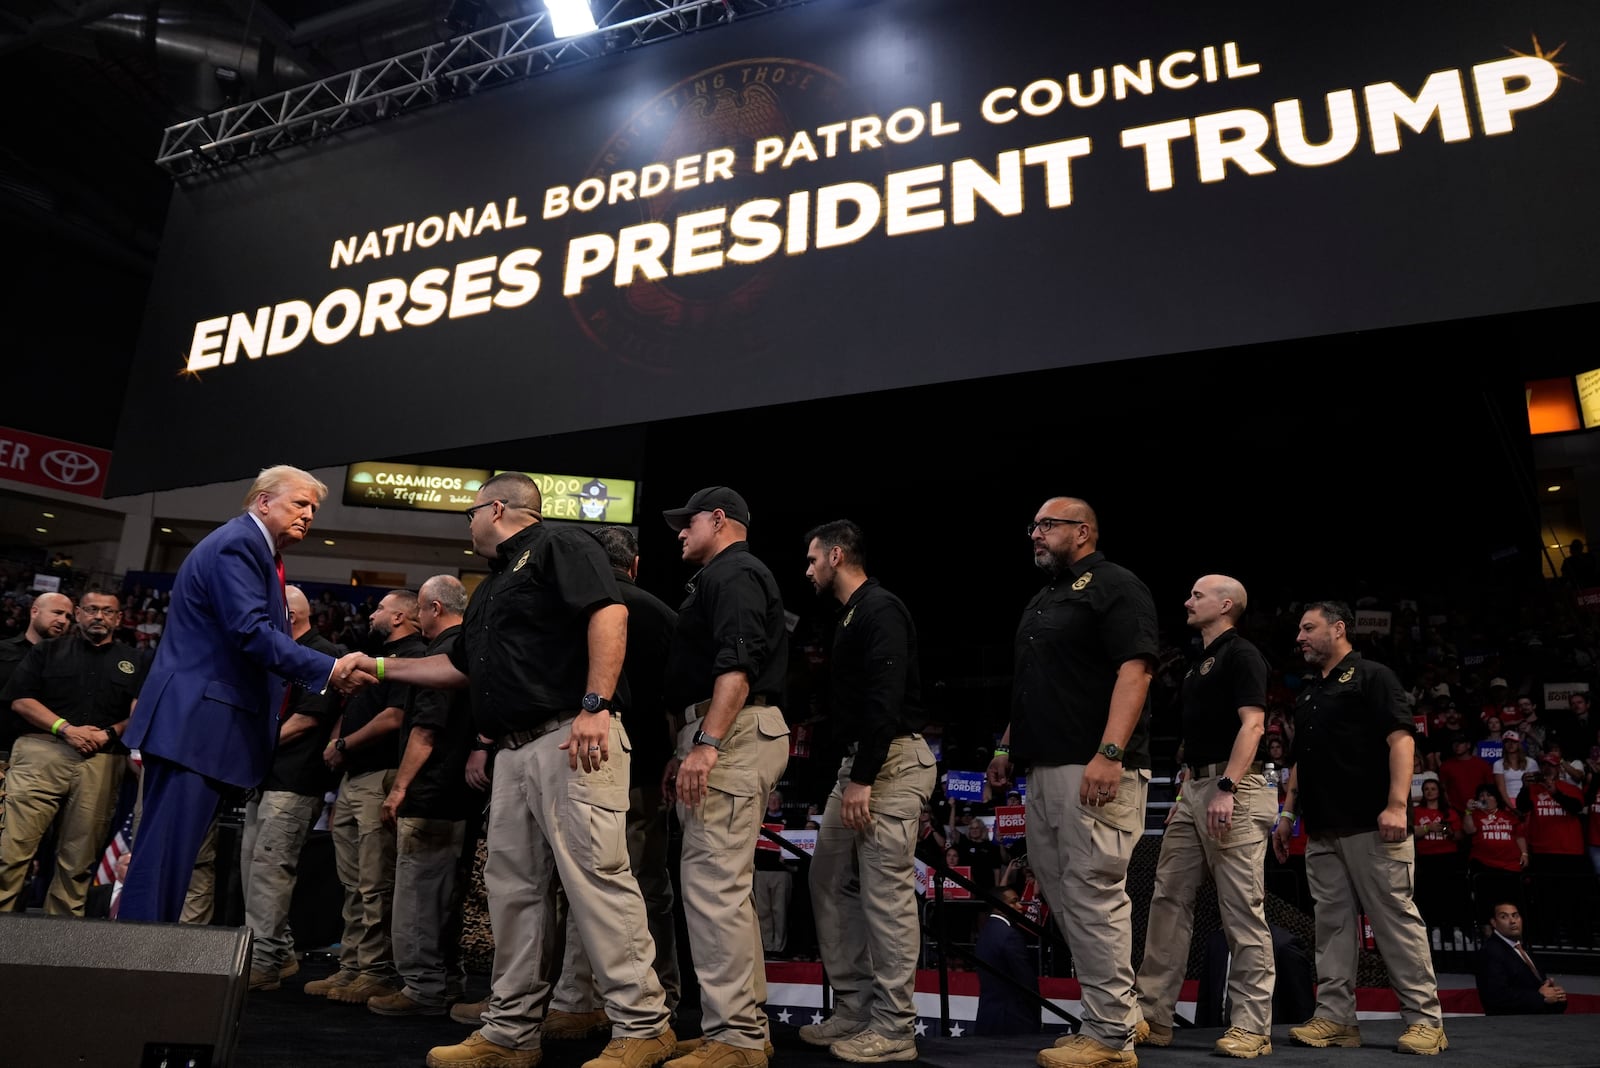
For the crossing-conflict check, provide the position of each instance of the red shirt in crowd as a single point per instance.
(1494, 843)
(1461, 779)
(1435, 829)
(1552, 830)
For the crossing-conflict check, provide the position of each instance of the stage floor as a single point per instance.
(286, 1029)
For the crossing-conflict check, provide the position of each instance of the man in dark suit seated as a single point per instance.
(1001, 1009)
(1509, 981)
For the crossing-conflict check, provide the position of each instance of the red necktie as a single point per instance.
(283, 589)
(1527, 960)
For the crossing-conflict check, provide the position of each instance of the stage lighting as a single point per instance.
(569, 18)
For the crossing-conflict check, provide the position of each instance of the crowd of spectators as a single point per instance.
(339, 617)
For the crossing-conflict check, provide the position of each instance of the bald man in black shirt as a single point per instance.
(1220, 824)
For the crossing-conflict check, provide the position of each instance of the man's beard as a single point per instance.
(1046, 560)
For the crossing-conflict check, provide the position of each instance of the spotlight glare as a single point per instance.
(569, 18)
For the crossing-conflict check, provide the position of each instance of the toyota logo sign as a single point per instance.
(68, 467)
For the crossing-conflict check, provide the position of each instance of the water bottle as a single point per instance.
(1270, 773)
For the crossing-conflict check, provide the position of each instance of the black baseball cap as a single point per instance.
(708, 500)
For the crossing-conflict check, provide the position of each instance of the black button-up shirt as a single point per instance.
(12, 650)
(1341, 742)
(1074, 636)
(440, 791)
(1231, 674)
(877, 684)
(86, 685)
(650, 627)
(732, 620)
(367, 703)
(525, 641)
(297, 765)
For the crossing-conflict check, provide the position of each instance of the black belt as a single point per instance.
(518, 739)
(1205, 771)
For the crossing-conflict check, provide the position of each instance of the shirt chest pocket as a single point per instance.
(1067, 618)
(525, 593)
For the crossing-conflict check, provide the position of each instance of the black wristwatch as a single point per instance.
(1112, 751)
(1226, 785)
(593, 702)
(702, 738)
(338, 745)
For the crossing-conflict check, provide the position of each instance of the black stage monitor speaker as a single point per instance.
(102, 992)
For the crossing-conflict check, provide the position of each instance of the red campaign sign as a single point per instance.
(763, 842)
(1422, 724)
(1010, 821)
(952, 892)
(53, 463)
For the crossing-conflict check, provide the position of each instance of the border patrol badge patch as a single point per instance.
(521, 560)
(125, 666)
(1349, 673)
(1207, 664)
(1083, 580)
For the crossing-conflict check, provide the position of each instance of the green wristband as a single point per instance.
(380, 669)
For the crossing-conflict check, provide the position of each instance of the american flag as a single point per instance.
(122, 828)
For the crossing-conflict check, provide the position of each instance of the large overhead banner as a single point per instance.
(841, 198)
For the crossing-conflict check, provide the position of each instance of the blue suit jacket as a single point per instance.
(211, 699)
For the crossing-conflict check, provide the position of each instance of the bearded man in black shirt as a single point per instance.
(863, 878)
(1085, 652)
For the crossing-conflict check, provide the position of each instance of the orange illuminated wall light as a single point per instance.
(1552, 406)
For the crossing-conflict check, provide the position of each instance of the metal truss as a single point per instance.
(459, 67)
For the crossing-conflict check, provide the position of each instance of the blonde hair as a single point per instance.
(273, 480)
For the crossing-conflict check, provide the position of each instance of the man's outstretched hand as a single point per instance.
(353, 671)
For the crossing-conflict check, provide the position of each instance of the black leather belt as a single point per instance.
(1205, 771)
(518, 739)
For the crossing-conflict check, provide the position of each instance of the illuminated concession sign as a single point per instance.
(587, 498)
(838, 198)
(412, 486)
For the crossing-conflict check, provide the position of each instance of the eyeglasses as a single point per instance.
(1049, 523)
(468, 511)
(99, 611)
